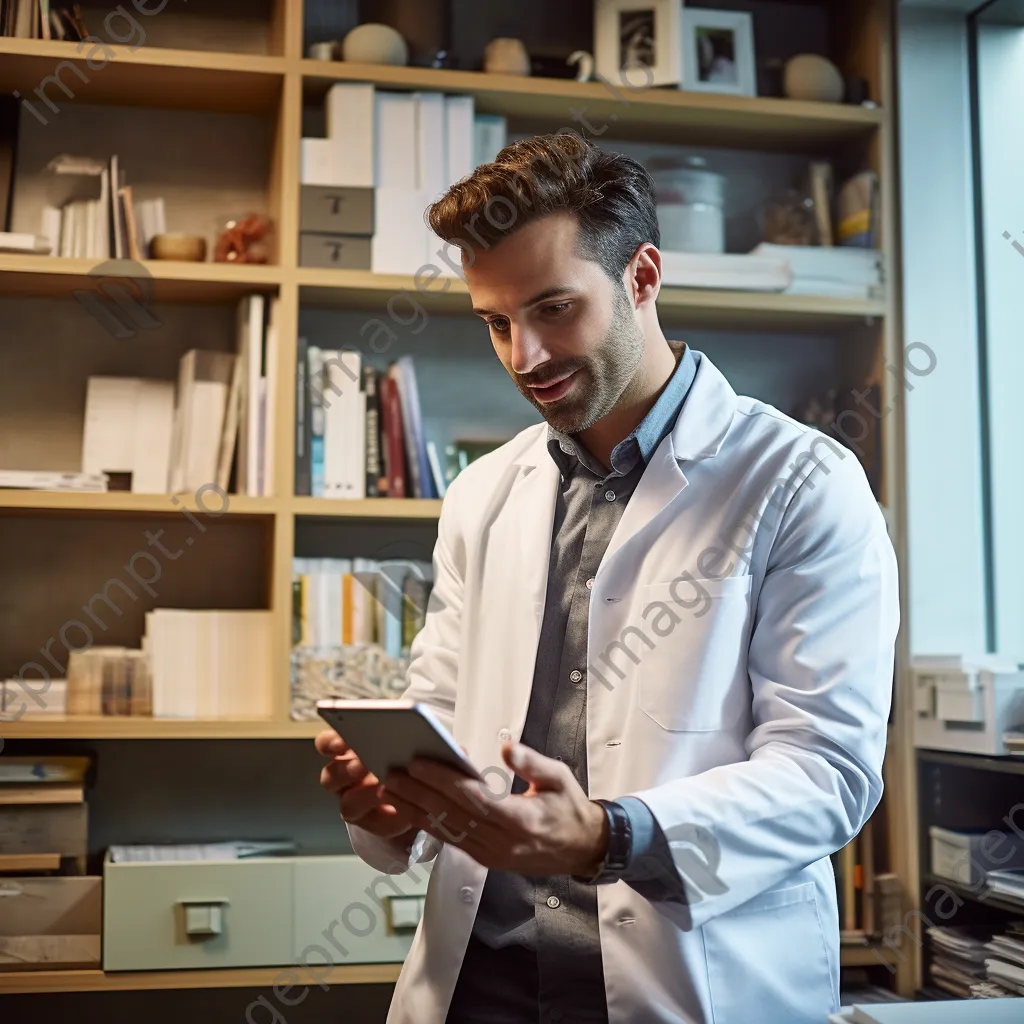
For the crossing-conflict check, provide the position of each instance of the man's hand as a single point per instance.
(551, 829)
(359, 790)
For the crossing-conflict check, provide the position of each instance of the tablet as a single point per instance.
(390, 733)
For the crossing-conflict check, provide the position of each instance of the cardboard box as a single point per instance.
(339, 252)
(50, 922)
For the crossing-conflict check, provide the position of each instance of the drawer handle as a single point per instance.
(204, 919)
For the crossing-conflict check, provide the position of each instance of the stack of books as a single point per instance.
(340, 601)
(352, 625)
(209, 664)
(109, 681)
(50, 480)
(92, 213)
(408, 148)
(42, 19)
(359, 431)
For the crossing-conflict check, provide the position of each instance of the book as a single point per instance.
(229, 436)
(303, 425)
(373, 445)
(316, 420)
(399, 467)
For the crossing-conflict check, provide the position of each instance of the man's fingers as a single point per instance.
(359, 800)
(342, 773)
(329, 744)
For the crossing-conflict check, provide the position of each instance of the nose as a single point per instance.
(528, 351)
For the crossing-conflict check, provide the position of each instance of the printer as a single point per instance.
(972, 705)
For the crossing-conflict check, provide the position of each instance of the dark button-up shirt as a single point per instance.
(555, 918)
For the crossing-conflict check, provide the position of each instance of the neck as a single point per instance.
(659, 363)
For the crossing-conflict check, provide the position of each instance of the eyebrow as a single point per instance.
(548, 293)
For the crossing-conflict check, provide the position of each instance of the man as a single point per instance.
(682, 605)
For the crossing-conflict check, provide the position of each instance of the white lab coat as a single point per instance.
(752, 710)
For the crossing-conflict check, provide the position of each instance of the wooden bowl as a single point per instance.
(190, 248)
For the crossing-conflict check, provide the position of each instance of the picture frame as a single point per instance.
(718, 52)
(638, 43)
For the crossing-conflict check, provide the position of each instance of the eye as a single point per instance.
(499, 324)
(558, 308)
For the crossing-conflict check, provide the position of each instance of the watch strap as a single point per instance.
(620, 844)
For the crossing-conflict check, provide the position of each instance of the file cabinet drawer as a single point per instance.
(354, 912)
(197, 914)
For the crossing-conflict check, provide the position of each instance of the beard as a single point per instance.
(601, 377)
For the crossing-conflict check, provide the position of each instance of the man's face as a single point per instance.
(556, 319)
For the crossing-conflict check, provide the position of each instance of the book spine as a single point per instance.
(407, 435)
(395, 442)
(316, 419)
(373, 459)
(303, 432)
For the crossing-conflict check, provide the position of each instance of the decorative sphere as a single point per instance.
(375, 44)
(810, 77)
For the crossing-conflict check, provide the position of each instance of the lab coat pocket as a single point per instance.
(768, 961)
(694, 640)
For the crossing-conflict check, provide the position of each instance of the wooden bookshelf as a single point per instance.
(275, 86)
(148, 76)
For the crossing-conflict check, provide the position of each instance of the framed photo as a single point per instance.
(638, 43)
(718, 52)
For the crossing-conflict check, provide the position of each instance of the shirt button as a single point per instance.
(504, 735)
(590, 583)
(609, 495)
(575, 675)
(466, 893)
(554, 902)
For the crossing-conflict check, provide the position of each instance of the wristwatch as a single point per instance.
(620, 845)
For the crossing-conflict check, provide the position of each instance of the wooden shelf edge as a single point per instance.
(369, 508)
(125, 501)
(355, 289)
(40, 982)
(148, 56)
(874, 954)
(159, 270)
(563, 89)
(87, 727)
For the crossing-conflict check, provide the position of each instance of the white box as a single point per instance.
(966, 705)
(320, 163)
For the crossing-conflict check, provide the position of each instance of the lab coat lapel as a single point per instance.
(661, 482)
(698, 433)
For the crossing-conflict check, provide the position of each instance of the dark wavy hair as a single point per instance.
(612, 197)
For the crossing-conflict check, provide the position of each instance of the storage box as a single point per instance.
(258, 912)
(339, 252)
(45, 828)
(336, 211)
(966, 705)
(964, 857)
(49, 922)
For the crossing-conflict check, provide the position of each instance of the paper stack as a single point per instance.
(750, 272)
(1005, 967)
(836, 271)
(958, 958)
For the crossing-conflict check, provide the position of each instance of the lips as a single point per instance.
(552, 392)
